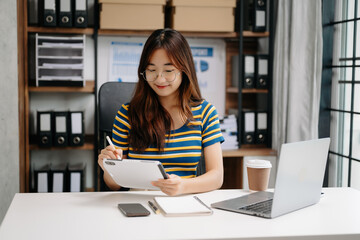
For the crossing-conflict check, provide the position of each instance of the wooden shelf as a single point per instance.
(89, 88)
(242, 152)
(233, 35)
(246, 90)
(86, 146)
(86, 31)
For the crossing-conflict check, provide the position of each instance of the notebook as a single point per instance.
(299, 181)
(182, 206)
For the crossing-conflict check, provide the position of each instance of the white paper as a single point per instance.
(249, 64)
(58, 182)
(249, 122)
(45, 122)
(181, 205)
(60, 122)
(42, 184)
(76, 123)
(262, 121)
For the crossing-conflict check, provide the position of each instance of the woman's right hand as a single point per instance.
(110, 153)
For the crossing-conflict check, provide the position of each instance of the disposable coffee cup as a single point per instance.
(258, 172)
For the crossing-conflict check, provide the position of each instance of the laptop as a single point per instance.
(299, 182)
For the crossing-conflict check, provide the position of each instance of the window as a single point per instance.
(344, 110)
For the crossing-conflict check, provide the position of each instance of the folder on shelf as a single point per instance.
(261, 127)
(76, 128)
(58, 177)
(262, 71)
(60, 129)
(259, 16)
(42, 179)
(47, 13)
(65, 14)
(80, 13)
(248, 127)
(76, 177)
(44, 128)
(235, 71)
(249, 71)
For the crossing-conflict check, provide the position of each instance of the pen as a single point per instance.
(111, 144)
(153, 207)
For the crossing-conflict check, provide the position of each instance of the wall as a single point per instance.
(9, 134)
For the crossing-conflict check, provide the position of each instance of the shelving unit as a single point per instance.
(235, 45)
(26, 90)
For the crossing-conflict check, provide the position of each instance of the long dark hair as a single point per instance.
(150, 122)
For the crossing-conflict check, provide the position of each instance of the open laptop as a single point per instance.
(299, 181)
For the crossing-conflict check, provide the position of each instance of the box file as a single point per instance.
(259, 16)
(59, 177)
(44, 128)
(65, 13)
(261, 136)
(60, 129)
(47, 13)
(42, 179)
(248, 127)
(249, 71)
(262, 71)
(80, 13)
(76, 177)
(76, 128)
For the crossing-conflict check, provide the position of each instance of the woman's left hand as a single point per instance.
(172, 186)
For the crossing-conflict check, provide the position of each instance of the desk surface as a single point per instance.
(95, 216)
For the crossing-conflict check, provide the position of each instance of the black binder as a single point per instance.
(261, 136)
(76, 177)
(76, 128)
(42, 179)
(262, 63)
(249, 71)
(65, 14)
(259, 16)
(60, 129)
(47, 13)
(44, 128)
(59, 177)
(80, 13)
(248, 127)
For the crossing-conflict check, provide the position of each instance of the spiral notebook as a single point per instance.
(182, 206)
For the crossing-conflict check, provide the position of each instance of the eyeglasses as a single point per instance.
(152, 75)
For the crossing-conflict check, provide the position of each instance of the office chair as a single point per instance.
(111, 96)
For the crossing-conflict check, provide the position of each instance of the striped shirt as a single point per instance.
(182, 151)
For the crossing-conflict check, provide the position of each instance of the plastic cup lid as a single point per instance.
(258, 163)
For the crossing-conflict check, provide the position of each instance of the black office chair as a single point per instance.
(111, 96)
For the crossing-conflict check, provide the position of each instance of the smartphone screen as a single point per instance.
(133, 209)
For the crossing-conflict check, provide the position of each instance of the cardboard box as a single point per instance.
(203, 15)
(132, 14)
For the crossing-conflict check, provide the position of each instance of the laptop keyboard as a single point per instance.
(260, 207)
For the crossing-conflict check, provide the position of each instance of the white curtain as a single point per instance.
(297, 71)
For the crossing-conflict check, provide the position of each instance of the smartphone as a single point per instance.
(133, 209)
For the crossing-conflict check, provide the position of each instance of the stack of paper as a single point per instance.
(228, 127)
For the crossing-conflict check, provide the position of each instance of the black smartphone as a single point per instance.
(133, 209)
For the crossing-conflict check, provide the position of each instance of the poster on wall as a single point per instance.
(210, 63)
(124, 60)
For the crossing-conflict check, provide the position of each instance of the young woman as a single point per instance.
(167, 120)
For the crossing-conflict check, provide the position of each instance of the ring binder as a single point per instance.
(60, 129)
(259, 16)
(44, 128)
(262, 71)
(249, 71)
(80, 13)
(65, 13)
(248, 122)
(261, 127)
(76, 128)
(47, 10)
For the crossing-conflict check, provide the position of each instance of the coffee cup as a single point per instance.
(258, 172)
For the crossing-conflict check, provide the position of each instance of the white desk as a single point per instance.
(95, 216)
